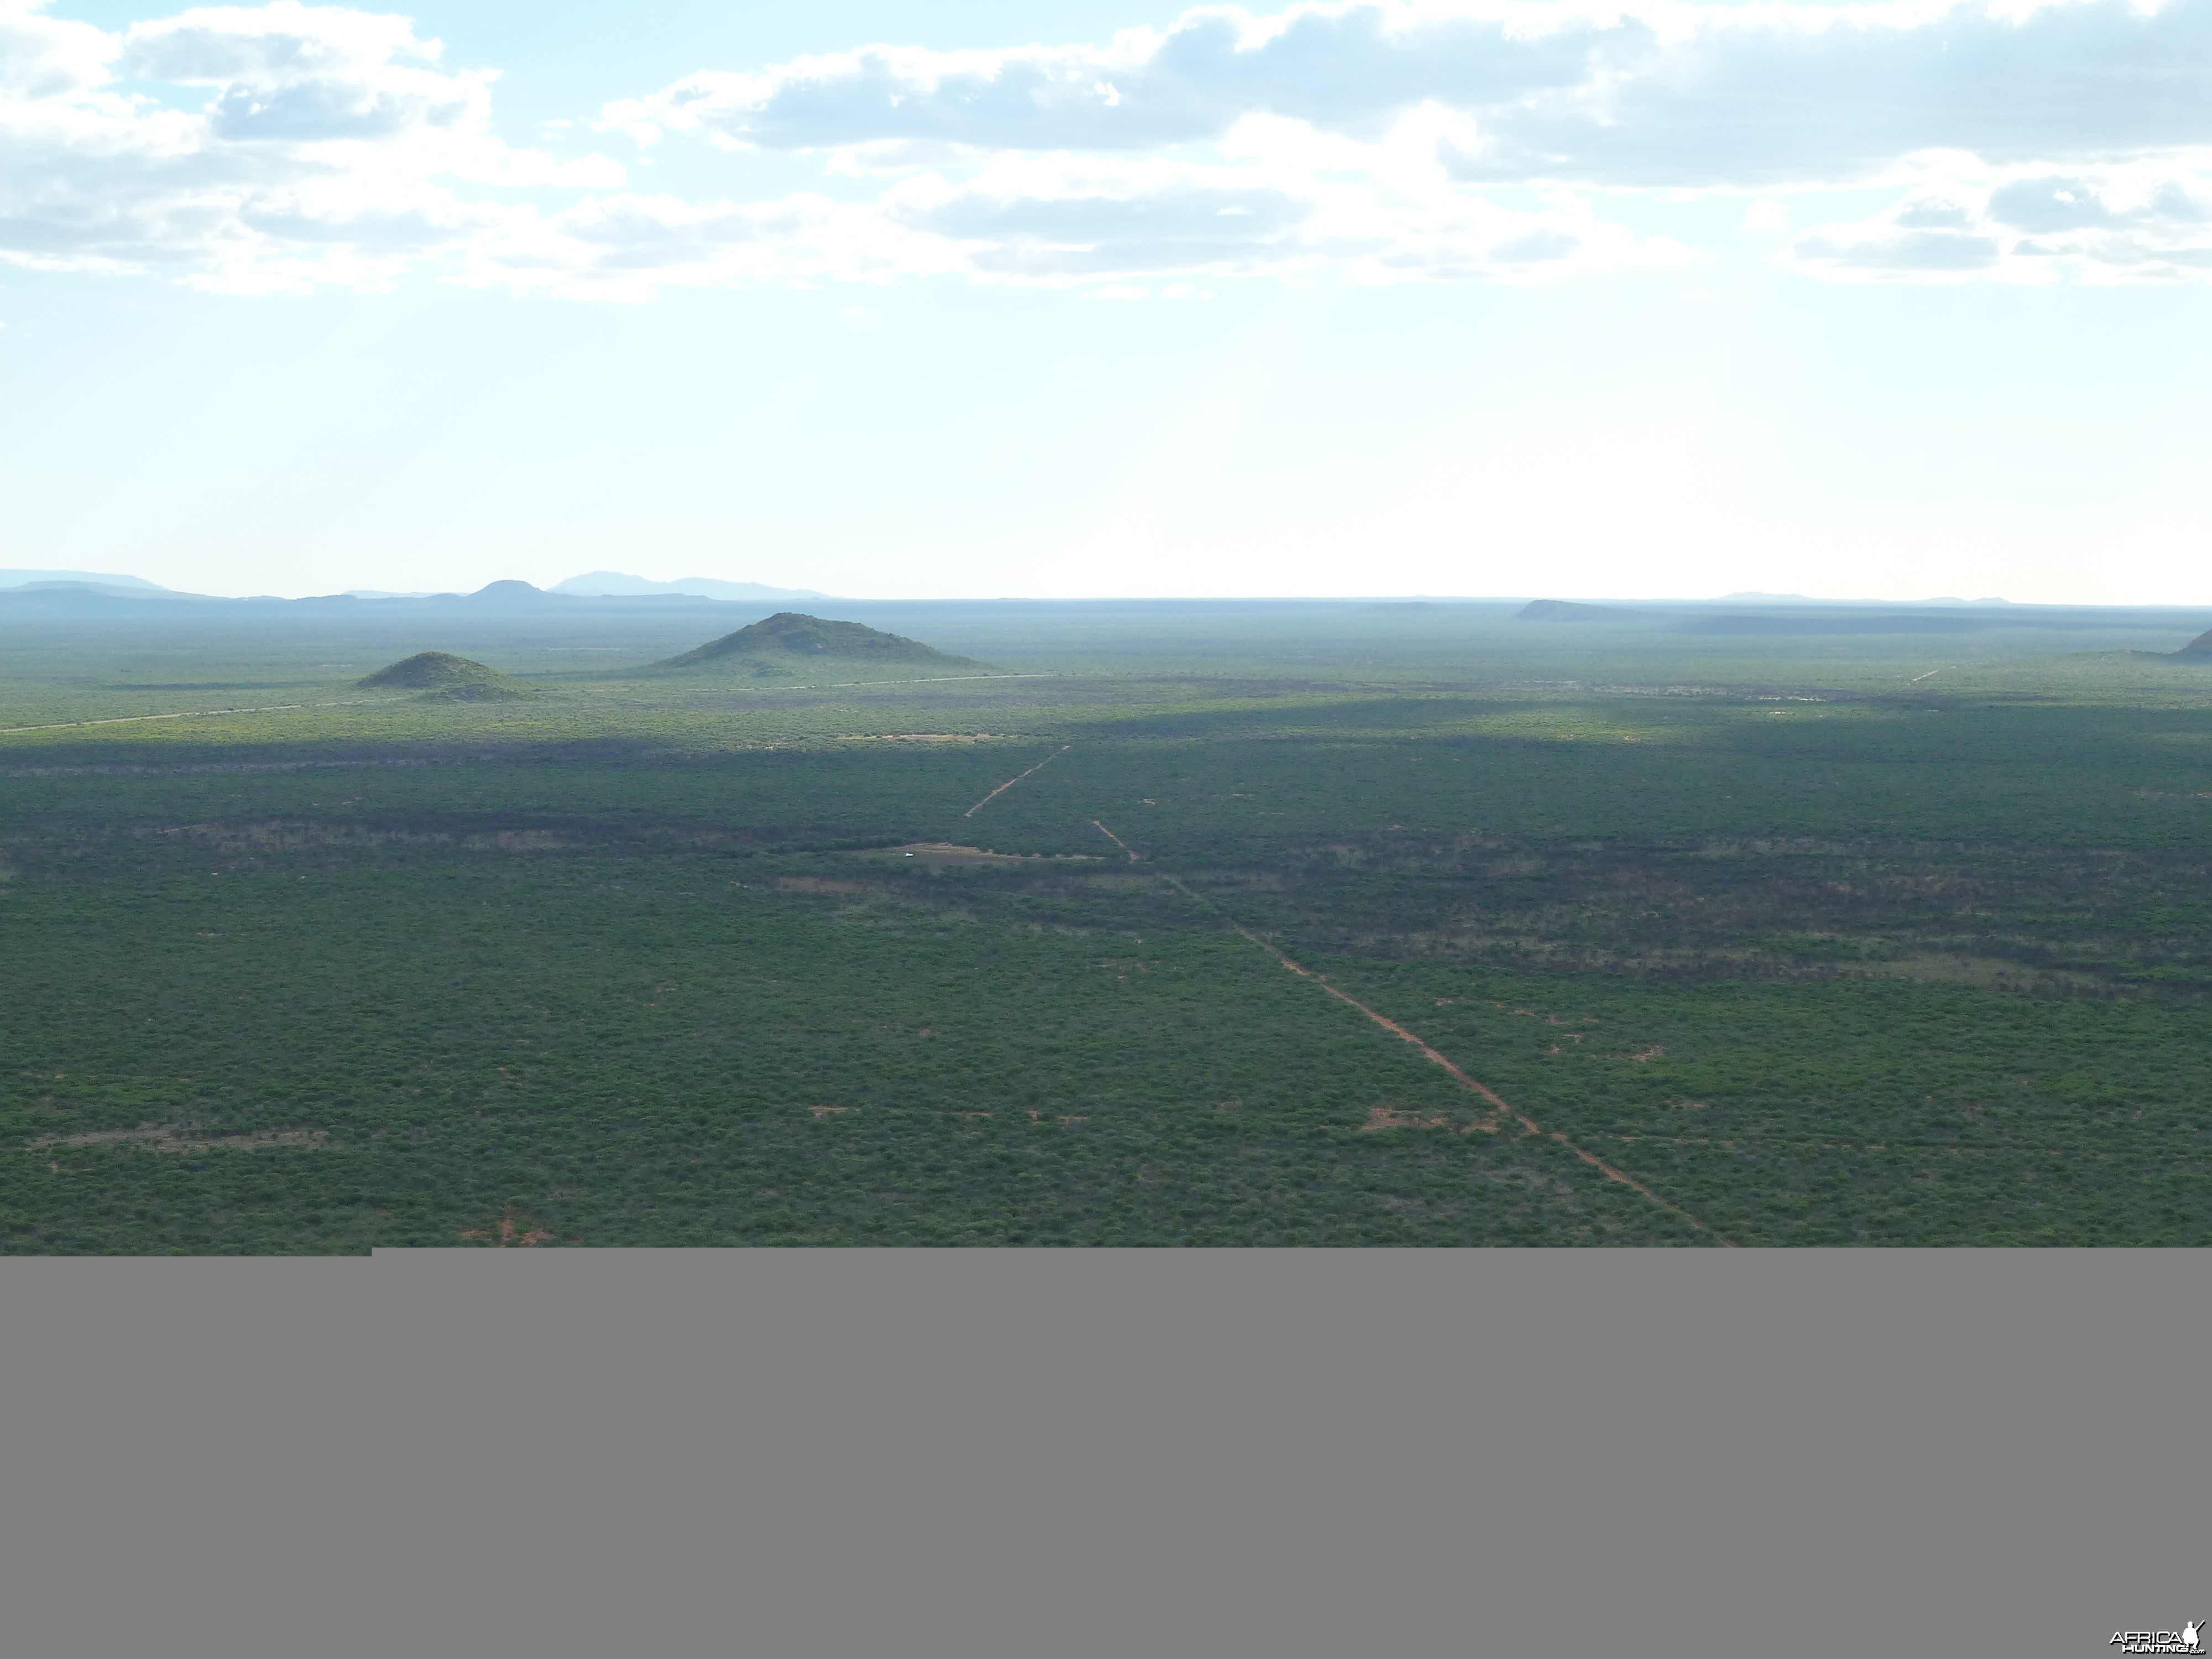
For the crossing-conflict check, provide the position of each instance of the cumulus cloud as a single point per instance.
(1767, 95)
(41, 57)
(287, 144)
(1655, 94)
(1342, 68)
(1107, 225)
(2131, 224)
(2004, 95)
(327, 146)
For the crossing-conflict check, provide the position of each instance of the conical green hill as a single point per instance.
(790, 642)
(440, 674)
(2199, 646)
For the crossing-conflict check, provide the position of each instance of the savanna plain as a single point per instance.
(1178, 924)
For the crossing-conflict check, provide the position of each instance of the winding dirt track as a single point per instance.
(1500, 1110)
(1014, 780)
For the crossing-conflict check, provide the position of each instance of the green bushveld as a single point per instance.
(1814, 950)
(446, 678)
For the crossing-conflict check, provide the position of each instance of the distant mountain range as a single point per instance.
(1799, 598)
(1778, 618)
(75, 589)
(613, 584)
(75, 578)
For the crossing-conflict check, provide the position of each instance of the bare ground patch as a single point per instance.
(1385, 1117)
(944, 854)
(176, 1138)
(1988, 973)
(294, 835)
(819, 885)
(508, 1232)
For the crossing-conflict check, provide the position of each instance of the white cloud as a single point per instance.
(1655, 94)
(41, 58)
(2141, 222)
(329, 144)
(282, 45)
(1811, 95)
(1042, 223)
(630, 247)
(1344, 67)
(325, 149)
(285, 145)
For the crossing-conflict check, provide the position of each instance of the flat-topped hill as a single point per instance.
(790, 642)
(442, 674)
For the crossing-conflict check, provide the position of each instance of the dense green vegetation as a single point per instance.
(1812, 951)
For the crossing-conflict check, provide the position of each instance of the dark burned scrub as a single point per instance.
(2051, 922)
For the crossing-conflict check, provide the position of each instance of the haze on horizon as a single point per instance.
(1858, 302)
(626, 584)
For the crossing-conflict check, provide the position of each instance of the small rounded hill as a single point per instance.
(2198, 649)
(789, 641)
(443, 676)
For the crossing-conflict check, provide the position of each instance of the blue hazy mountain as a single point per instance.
(77, 578)
(613, 584)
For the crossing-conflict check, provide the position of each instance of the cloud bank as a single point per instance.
(287, 145)
(1664, 94)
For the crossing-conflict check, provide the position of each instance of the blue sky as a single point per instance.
(1890, 300)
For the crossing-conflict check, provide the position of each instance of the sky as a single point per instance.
(1089, 299)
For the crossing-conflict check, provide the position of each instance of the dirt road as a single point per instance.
(1124, 846)
(194, 713)
(1014, 780)
(1500, 1110)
